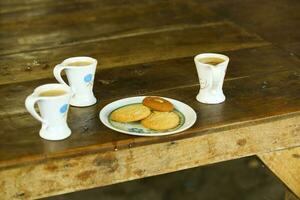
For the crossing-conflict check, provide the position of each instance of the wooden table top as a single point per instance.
(147, 48)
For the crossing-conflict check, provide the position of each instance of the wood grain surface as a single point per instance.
(275, 21)
(145, 48)
(40, 25)
(175, 41)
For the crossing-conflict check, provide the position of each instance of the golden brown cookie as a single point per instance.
(158, 104)
(130, 113)
(161, 121)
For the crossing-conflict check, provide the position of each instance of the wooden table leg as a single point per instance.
(290, 196)
(286, 165)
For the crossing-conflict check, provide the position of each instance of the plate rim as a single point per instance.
(194, 118)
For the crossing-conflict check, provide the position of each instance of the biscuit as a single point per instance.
(130, 113)
(161, 121)
(158, 104)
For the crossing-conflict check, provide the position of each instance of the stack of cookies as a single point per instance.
(154, 113)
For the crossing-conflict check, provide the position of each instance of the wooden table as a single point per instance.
(146, 48)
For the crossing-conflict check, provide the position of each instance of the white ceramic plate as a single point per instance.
(186, 114)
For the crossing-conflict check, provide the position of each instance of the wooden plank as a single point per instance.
(274, 20)
(59, 176)
(174, 42)
(143, 78)
(248, 99)
(38, 25)
(293, 48)
(286, 165)
(11, 6)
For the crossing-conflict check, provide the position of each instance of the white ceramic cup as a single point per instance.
(80, 78)
(211, 78)
(53, 110)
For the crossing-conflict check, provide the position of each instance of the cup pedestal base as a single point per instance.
(210, 98)
(55, 133)
(83, 101)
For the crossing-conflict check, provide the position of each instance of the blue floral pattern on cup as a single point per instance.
(88, 78)
(63, 109)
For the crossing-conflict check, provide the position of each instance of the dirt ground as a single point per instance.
(243, 179)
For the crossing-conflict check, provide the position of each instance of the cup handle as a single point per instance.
(29, 104)
(216, 74)
(57, 73)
